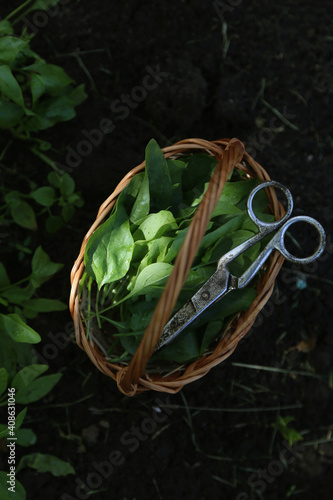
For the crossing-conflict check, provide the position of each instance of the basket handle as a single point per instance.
(128, 377)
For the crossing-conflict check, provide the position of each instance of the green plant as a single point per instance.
(29, 386)
(288, 433)
(130, 256)
(34, 95)
(18, 299)
(17, 303)
(58, 201)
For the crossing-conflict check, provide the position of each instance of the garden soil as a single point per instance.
(259, 71)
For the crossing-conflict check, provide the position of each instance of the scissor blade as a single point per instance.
(213, 290)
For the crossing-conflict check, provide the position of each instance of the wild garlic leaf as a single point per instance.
(232, 303)
(157, 251)
(235, 192)
(199, 169)
(9, 86)
(155, 225)
(234, 224)
(160, 187)
(53, 78)
(151, 275)
(10, 47)
(10, 113)
(184, 348)
(109, 250)
(141, 204)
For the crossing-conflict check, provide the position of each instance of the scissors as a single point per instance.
(222, 281)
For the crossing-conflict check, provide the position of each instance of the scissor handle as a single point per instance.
(271, 226)
(278, 241)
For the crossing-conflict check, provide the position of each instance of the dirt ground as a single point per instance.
(259, 71)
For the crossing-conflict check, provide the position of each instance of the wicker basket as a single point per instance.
(133, 378)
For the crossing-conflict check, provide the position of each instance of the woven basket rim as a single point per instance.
(225, 347)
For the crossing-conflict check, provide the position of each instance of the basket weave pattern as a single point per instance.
(132, 379)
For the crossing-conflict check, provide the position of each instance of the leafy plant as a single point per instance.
(130, 256)
(18, 300)
(30, 386)
(16, 340)
(58, 201)
(34, 95)
(288, 433)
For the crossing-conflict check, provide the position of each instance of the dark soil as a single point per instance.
(222, 70)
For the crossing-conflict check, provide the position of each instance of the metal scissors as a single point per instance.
(222, 281)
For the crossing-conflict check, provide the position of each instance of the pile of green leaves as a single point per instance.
(131, 255)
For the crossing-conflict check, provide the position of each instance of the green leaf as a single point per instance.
(13, 353)
(160, 186)
(176, 245)
(17, 329)
(47, 78)
(183, 349)
(288, 433)
(4, 280)
(44, 305)
(37, 87)
(26, 437)
(10, 113)
(6, 28)
(37, 389)
(151, 275)
(67, 185)
(20, 417)
(198, 171)
(67, 212)
(54, 179)
(141, 205)
(230, 226)
(234, 302)
(53, 110)
(155, 225)
(109, 250)
(157, 250)
(42, 267)
(3, 380)
(53, 223)
(17, 294)
(10, 47)
(44, 196)
(4, 431)
(5, 494)
(27, 375)
(42, 462)
(23, 214)
(9, 86)
(235, 192)
(77, 95)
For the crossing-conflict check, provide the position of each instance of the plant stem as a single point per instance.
(5, 149)
(18, 9)
(14, 284)
(46, 159)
